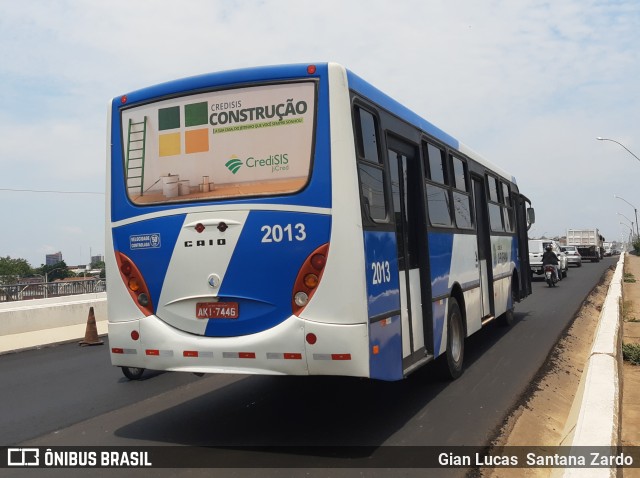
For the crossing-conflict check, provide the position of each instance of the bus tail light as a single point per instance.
(135, 283)
(308, 278)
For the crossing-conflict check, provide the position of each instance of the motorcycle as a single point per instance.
(550, 275)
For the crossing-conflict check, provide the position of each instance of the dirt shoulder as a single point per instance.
(542, 417)
(630, 434)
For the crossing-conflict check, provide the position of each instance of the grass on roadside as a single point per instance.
(627, 312)
(629, 278)
(631, 353)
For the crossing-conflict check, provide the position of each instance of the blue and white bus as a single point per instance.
(296, 220)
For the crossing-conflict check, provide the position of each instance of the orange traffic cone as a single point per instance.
(91, 333)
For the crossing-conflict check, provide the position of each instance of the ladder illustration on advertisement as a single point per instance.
(135, 155)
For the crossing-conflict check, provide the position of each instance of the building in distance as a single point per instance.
(52, 259)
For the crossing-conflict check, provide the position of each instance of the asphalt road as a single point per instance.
(70, 395)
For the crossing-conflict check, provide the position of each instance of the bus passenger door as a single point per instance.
(523, 245)
(409, 214)
(483, 261)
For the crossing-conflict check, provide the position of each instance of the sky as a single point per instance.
(529, 85)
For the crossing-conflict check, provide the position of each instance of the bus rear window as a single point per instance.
(252, 141)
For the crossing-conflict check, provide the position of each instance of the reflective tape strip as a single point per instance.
(331, 356)
(340, 356)
(118, 350)
(242, 355)
(284, 356)
(159, 353)
(197, 354)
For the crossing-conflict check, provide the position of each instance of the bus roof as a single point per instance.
(362, 86)
(287, 71)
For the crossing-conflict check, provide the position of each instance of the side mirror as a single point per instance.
(531, 216)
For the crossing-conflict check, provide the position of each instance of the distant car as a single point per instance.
(536, 250)
(573, 256)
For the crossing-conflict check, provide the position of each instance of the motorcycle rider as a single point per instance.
(549, 258)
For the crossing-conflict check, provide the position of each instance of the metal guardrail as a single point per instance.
(16, 292)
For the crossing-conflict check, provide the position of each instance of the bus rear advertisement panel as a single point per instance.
(231, 143)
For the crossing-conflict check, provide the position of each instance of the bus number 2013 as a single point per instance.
(381, 272)
(288, 233)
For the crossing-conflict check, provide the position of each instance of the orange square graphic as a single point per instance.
(196, 140)
(169, 144)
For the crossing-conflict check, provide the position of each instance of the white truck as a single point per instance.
(588, 241)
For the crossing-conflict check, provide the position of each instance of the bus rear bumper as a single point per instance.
(281, 350)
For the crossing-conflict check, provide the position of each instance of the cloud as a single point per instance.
(527, 84)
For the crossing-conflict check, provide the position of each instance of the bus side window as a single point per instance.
(367, 136)
(370, 167)
(495, 208)
(461, 195)
(507, 209)
(438, 197)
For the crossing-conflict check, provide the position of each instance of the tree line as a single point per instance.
(13, 271)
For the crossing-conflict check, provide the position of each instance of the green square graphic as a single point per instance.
(196, 114)
(169, 118)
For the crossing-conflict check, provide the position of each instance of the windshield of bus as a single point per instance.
(240, 142)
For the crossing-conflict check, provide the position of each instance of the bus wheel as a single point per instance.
(132, 373)
(506, 319)
(455, 340)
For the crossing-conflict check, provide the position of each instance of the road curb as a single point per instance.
(595, 416)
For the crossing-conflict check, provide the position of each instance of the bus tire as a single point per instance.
(455, 341)
(506, 319)
(132, 373)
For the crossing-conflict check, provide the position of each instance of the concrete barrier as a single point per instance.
(595, 413)
(54, 312)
